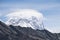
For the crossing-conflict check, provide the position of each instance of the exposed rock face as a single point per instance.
(58, 35)
(23, 33)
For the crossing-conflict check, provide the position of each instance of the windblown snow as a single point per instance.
(25, 18)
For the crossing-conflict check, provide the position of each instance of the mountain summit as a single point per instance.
(24, 33)
(25, 18)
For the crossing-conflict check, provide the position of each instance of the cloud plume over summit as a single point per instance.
(26, 18)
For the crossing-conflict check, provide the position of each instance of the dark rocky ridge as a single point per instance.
(22, 33)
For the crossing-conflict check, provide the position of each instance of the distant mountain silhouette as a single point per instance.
(25, 33)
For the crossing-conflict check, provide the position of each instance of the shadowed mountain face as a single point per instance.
(24, 33)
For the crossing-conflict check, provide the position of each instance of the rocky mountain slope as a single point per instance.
(24, 33)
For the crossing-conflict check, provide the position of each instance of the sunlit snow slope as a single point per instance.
(25, 18)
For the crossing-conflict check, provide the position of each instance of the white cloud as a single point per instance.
(33, 18)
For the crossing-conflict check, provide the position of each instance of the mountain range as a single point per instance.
(25, 33)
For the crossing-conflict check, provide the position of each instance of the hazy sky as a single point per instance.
(49, 8)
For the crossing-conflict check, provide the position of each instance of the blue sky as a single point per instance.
(49, 8)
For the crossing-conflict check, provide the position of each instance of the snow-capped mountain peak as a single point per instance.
(25, 18)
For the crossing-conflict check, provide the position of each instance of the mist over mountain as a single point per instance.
(25, 33)
(25, 18)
